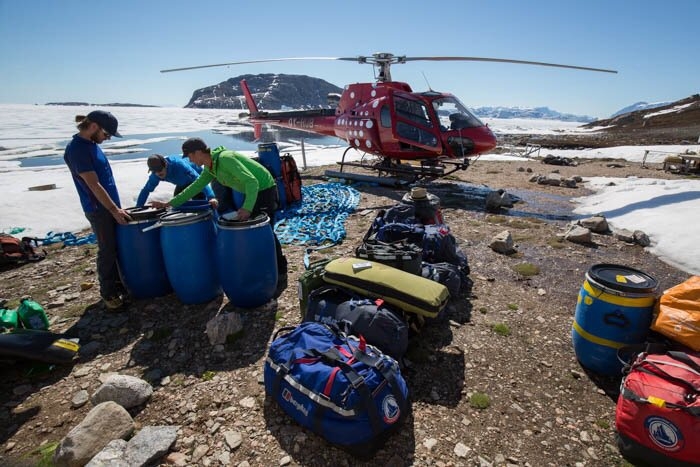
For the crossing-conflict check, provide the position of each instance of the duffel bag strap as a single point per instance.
(387, 372)
(658, 402)
(660, 372)
(683, 357)
(333, 357)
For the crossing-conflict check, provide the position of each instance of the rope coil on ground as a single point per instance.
(320, 217)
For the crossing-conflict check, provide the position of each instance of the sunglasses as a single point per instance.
(105, 133)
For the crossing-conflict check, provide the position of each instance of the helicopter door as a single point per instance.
(412, 124)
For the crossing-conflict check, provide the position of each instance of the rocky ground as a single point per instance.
(543, 409)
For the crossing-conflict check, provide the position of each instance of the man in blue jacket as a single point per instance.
(99, 197)
(179, 171)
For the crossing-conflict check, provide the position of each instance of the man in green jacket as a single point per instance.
(240, 173)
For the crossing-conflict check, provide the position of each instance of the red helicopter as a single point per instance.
(389, 120)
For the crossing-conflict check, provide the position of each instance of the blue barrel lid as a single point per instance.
(622, 278)
(175, 218)
(256, 221)
(145, 213)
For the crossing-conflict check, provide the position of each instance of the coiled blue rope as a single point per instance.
(320, 217)
(68, 239)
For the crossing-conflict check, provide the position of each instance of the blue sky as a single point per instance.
(104, 52)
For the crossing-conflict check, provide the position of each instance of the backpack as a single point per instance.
(337, 386)
(658, 412)
(14, 251)
(372, 319)
(291, 179)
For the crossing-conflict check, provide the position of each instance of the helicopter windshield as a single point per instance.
(454, 115)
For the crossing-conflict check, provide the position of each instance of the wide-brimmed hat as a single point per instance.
(418, 192)
(106, 120)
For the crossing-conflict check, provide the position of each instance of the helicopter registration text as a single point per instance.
(306, 123)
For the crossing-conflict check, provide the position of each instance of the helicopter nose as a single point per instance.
(484, 140)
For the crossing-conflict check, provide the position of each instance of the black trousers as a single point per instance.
(105, 229)
(268, 202)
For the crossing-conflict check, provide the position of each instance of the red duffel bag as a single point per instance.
(658, 411)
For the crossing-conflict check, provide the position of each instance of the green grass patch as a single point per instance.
(556, 243)
(208, 375)
(501, 329)
(45, 454)
(479, 400)
(526, 269)
(513, 306)
(602, 423)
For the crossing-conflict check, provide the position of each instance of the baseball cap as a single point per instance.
(192, 145)
(156, 163)
(106, 120)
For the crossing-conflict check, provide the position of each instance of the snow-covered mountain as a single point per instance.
(639, 106)
(534, 112)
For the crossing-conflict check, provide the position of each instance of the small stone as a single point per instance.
(430, 443)
(461, 450)
(79, 399)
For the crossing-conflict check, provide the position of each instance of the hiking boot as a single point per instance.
(114, 303)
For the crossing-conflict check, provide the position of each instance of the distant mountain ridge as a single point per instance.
(116, 104)
(544, 113)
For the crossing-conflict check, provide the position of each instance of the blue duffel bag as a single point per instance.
(337, 386)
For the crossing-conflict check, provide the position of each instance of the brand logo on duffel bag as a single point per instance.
(287, 396)
(664, 433)
(390, 409)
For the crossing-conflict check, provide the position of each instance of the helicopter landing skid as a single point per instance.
(394, 172)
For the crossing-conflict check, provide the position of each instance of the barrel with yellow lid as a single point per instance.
(614, 310)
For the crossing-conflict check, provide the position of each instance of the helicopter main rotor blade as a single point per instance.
(354, 59)
(505, 60)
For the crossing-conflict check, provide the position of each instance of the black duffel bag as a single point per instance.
(378, 324)
(400, 255)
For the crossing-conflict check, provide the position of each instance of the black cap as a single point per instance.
(156, 162)
(106, 120)
(192, 145)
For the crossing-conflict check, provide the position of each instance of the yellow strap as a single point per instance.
(596, 339)
(66, 344)
(639, 302)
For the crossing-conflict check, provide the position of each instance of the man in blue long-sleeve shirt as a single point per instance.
(176, 170)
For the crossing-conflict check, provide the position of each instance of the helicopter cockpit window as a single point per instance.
(412, 110)
(454, 115)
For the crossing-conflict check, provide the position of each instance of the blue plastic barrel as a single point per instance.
(614, 311)
(238, 199)
(269, 156)
(188, 241)
(246, 261)
(140, 257)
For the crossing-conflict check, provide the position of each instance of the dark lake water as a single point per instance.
(173, 145)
